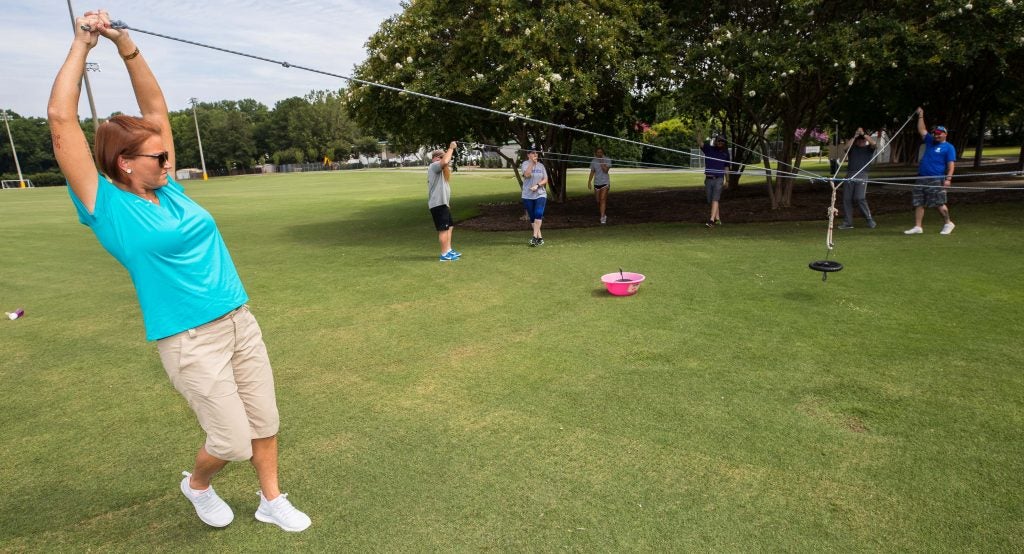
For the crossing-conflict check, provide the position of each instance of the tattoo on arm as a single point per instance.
(56, 141)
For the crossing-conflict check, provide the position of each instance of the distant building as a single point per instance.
(188, 173)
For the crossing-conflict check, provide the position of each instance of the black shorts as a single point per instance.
(442, 217)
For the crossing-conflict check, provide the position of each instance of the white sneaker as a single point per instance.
(915, 230)
(280, 512)
(947, 228)
(604, 219)
(209, 507)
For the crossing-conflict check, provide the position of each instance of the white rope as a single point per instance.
(802, 175)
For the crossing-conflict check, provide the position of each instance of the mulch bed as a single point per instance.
(745, 204)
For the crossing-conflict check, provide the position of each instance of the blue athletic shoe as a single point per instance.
(452, 252)
(448, 257)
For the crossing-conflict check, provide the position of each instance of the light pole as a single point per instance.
(202, 159)
(20, 179)
(85, 76)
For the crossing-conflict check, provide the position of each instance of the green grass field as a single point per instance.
(506, 402)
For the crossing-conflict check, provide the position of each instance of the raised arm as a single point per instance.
(446, 161)
(922, 129)
(69, 145)
(148, 94)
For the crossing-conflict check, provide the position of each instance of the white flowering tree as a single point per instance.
(963, 60)
(764, 66)
(567, 63)
(767, 66)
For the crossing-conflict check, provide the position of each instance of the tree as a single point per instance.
(963, 61)
(227, 128)
(318, 124)
(758, 65)
(31, 136)
(802, 63)
(570, 63)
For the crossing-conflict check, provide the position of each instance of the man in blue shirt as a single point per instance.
(934, 176)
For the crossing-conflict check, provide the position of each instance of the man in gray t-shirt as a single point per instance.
(860, 152)
(438, 196)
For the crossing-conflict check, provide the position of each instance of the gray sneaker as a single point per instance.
(872, 224)
(209, 507)
(846, 226)
(280, 512)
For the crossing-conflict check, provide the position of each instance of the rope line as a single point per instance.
(803, 174)
(586, 159)
(122, 25)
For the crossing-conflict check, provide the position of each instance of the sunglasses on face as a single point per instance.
(161, 157)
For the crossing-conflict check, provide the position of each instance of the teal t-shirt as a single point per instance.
(174, 253)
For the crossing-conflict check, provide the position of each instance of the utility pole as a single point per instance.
(85, 76)
(21, 180)
(202, 160)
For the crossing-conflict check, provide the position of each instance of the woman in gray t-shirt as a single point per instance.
(535, 194)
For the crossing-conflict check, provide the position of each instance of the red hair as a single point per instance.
(121, 135)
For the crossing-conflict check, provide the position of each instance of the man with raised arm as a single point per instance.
(934, 176)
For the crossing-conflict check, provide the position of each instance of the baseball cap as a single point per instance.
(941, 129)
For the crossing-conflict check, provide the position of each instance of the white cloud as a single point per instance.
(327, 36)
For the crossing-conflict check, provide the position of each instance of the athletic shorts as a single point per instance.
(535, 207)
(223, 371)
(929, 192)
(713, 187)
(599, 187)
(442, 217)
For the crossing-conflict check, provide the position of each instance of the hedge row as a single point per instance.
(44, 179)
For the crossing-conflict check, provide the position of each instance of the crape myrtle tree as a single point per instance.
(962, 60)
(764, 69)
(767, 68)
(576, 64)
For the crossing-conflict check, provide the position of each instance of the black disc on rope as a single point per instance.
(825, 267)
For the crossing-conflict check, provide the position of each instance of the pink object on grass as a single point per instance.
(622, 284)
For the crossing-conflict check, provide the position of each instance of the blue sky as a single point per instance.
(325, 35)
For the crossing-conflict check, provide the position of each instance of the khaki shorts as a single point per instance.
(223, 371)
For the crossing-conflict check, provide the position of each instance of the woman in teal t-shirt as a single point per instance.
(192, 301)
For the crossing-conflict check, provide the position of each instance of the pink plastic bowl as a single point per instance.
(622, 288)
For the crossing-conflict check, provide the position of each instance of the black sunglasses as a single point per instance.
(160, 158)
